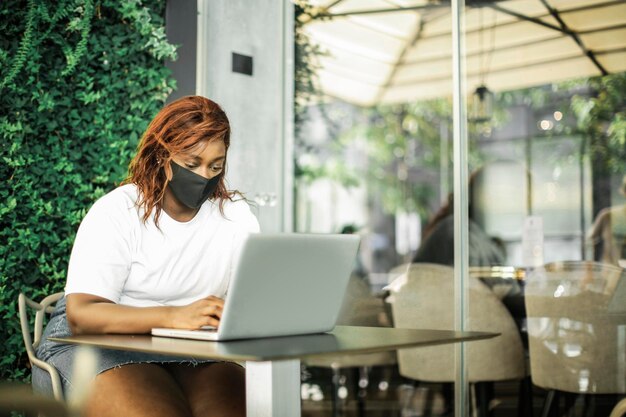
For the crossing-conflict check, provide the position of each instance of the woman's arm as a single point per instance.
(90, 314)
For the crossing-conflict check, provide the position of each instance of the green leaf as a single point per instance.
(65, 133)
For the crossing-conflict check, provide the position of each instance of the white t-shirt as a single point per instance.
(118, 257)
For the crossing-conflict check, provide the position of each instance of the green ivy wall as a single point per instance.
(79, 82)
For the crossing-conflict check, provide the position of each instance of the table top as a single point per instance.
(498, 272)
(343, 340)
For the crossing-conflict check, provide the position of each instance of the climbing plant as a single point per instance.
(79, 82)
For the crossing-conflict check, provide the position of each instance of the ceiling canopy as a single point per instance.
(390, 51)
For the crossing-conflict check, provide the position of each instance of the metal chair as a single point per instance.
(423, 298)
(31, 340)
(576, 323)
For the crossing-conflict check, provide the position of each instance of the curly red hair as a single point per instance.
(178, 127)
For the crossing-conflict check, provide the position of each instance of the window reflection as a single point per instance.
(388, 169)
(551, 151)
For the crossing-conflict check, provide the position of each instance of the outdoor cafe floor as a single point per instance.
(400, 398)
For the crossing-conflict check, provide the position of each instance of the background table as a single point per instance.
(273, 364)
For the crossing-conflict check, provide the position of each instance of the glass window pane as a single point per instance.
(546, 159)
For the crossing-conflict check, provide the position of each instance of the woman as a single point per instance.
(438, 238)
(157, 251)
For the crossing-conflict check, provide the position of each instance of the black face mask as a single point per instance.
(190, 188)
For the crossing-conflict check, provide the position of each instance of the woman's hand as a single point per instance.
(204, 312)
(90, 314)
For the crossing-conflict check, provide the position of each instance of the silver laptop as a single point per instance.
(284, 284)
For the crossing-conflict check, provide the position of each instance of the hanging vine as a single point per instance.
(37, 15)
(26, 45)
(84, 25)
(306, 65)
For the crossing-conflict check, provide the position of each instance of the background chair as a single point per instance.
(577, 344)
(423, 298)
(620, 409)
(31, 341)
(360, 308)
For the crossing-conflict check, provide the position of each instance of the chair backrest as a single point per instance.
(32, 340)
(360, 308)
(620, 409)
(424, 299)
(576, 344)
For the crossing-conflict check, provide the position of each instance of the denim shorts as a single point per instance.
(61, 355)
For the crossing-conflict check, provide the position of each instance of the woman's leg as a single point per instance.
(214, 389)
(134, 390)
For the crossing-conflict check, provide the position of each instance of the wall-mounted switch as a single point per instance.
(242, 64)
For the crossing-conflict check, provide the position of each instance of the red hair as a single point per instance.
(178, 127)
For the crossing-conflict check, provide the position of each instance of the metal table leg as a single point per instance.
(273, 389)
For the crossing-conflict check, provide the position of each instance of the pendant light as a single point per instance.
(483, 98)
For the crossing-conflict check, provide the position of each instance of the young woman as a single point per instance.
(157, 251)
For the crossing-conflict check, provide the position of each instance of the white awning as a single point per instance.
(389, 51)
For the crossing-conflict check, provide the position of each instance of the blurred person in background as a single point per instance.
(608, 233)
(438, 237)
